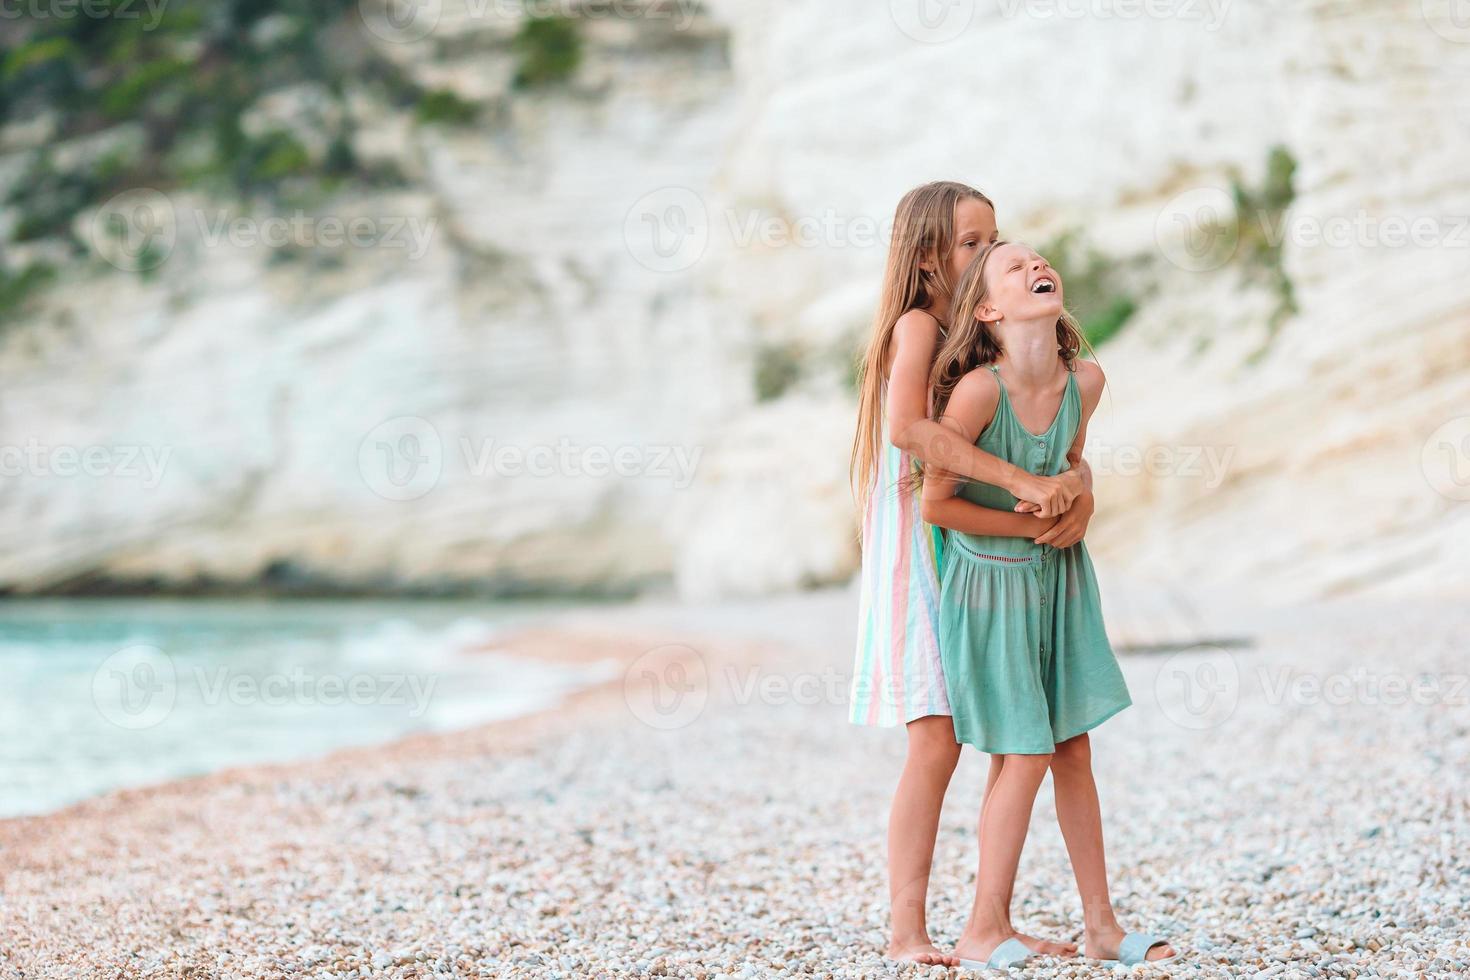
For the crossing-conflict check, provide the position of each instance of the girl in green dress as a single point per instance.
(1027, 664)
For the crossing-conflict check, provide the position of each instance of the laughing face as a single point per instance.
(1020, 285)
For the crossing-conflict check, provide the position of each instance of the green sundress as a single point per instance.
(1027, 663)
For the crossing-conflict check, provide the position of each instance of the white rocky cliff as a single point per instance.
(1297, 453)
(607, 345)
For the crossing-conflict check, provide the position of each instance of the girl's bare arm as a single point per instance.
(958, 514)
(970, 409)
(916, 338)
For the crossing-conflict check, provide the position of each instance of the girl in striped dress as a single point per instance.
(898, 678)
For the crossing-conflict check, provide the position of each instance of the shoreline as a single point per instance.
(560, 641)
(746, 837)
(572, 635)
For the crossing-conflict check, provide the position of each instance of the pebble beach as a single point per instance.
(1291, 805)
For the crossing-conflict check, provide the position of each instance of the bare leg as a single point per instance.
(996, 762)
(1080, 816)
(913, 825)
(1046, 947)
(1004, 820)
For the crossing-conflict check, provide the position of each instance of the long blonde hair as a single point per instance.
(923, 230)
(971, 343)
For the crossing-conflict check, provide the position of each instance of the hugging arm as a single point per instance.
(916, 338)
(970, 409)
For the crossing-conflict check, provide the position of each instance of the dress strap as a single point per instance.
(1003, 401)
(1001, 382)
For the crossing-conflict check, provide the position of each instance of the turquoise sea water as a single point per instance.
(101, 694)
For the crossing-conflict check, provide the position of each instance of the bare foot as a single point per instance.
(920, 951)
(1103, 945)
(1048, 947)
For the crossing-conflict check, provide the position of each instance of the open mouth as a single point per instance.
(1043, 285)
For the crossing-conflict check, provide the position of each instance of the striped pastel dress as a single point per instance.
(897, 675)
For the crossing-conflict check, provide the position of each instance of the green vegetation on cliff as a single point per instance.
(1261, 212)
(549, 49)
(186, 82)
